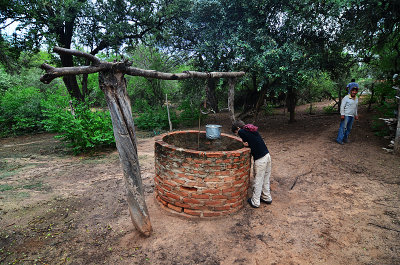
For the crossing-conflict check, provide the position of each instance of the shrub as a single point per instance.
(268, 109)
(329, 110)
(20, 111)
(190, 114)
(155, 119)
(84, 130)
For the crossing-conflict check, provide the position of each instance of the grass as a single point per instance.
(6, 187)
(34, 186)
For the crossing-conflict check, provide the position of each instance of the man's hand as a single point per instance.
(246, 144)
(342, 117)
(356, 117)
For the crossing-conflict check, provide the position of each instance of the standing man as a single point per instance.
(351, 85)
(348, 112)
(262, 162)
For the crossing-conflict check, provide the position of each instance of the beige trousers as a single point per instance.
(262, 173)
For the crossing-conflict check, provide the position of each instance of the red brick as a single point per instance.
(166, 187)
(231, 201)
(175, 208)
(212, 179)
(239, 182)
(214, 202)
(228, 190)
(211, 214)
(173, 196)
(195, 184)
(183, 205)
(192, 212)
(235, 194)
(222, 208)
(160, 190)
(212, 191)
(229, 179)
(200, 196)
(191, 201)
(182, 193)
(180, 181)
(170, 183)
(160, 200)
(164, 198)
(219, 197)
(237, 204)
(214, 154)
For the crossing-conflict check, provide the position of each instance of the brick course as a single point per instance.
(201, 183)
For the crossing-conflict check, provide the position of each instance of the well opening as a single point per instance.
(199, 177)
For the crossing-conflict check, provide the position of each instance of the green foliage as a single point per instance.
(85, 130)
(329, 110)
(5, 80)
(315, 86)
(155, 119)
(20, 110)
(268, 109)
(190, 114)
(151, 90)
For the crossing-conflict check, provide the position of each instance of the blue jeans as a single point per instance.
(345, 128)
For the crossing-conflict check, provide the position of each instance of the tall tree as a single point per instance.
(93, 24)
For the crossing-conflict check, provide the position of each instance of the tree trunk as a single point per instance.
(211, 97)
(113, 85)
(291, 103)
(396, 148)
(371, 99)
(70, 80)
(231, 98)
(340, 98)
(260, 101)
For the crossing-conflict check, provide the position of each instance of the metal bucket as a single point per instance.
(213, 131)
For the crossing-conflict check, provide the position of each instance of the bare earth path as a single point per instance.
(332, 204)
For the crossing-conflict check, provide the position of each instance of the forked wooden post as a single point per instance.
(113, 84)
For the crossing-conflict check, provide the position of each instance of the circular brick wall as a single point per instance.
(200, 177)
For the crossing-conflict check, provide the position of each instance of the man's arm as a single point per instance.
(344, 100)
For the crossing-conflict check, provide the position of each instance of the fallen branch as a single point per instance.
(295, 181)
(384, 227)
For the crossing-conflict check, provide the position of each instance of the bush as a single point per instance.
(268, 109)
(190, 114)
(329, 110)
(155, 120)
(84, 130)
(20, 111)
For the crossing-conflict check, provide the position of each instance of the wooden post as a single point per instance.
(231, 98)
(169, 117)
(113, 85)
(396, 148)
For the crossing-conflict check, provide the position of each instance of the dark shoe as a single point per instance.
(339, 142)
(264, 201)
(346, 140)
(251, 204)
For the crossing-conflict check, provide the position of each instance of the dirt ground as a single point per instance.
(332, 204)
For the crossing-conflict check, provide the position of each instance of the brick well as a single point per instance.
(200, 177)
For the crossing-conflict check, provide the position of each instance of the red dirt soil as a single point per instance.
(332, 204)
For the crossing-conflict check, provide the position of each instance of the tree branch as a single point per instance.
(88, 56)
(179, 76)
(52, 72)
